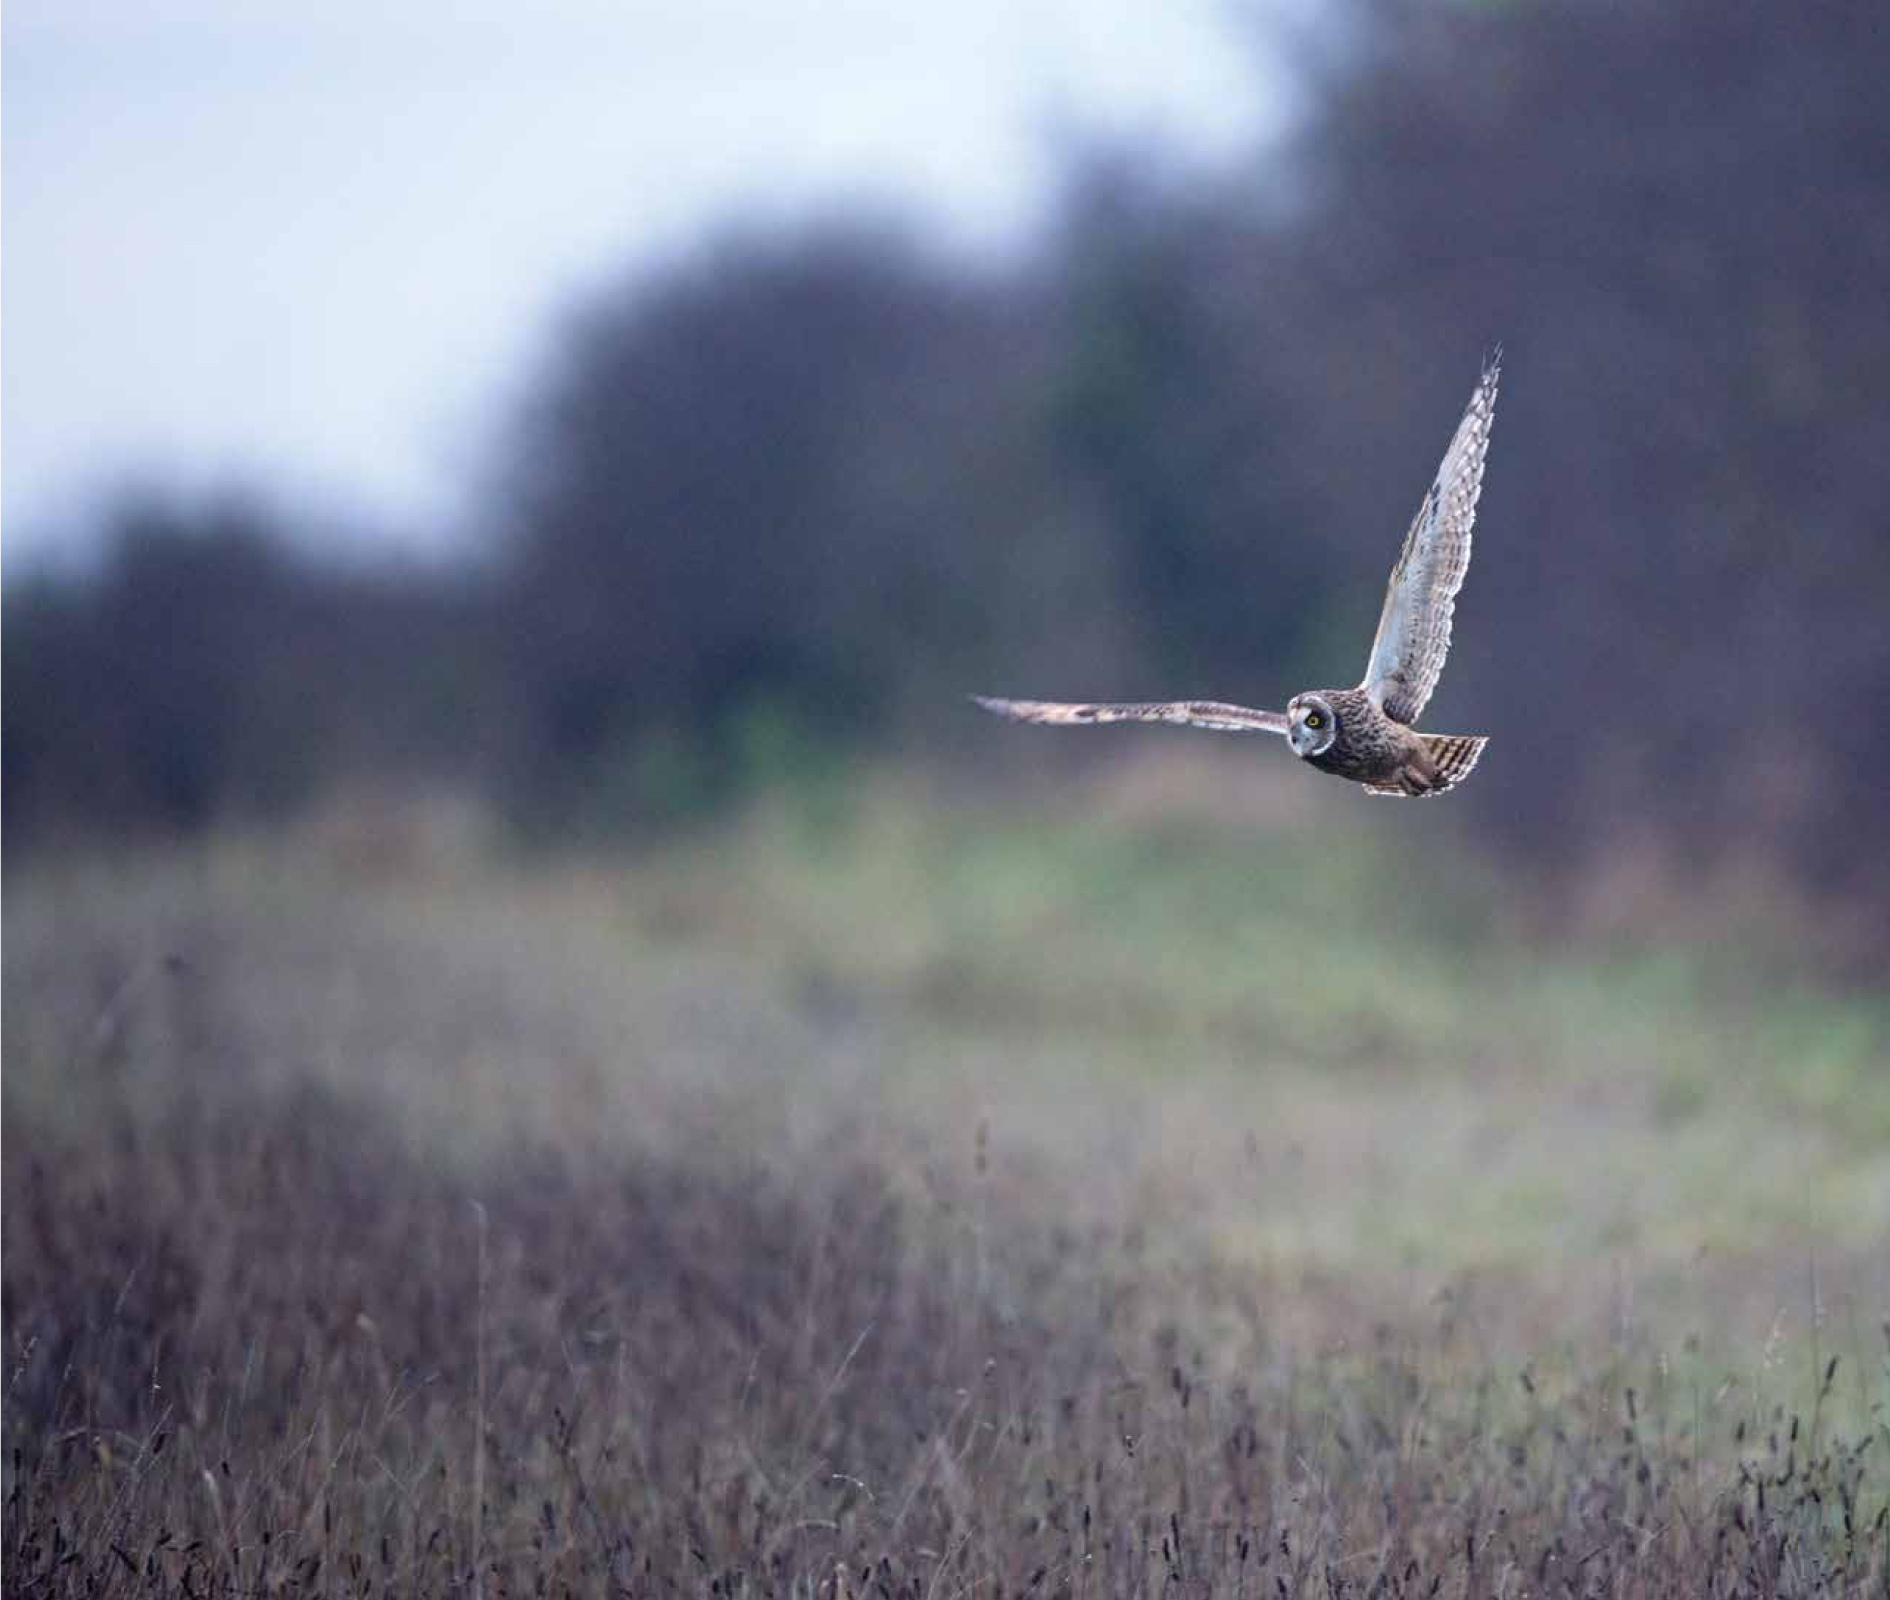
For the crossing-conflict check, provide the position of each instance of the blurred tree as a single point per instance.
(208, 671)
(1678, 219)
(128, 700)
(798, 477)
(1172, 408)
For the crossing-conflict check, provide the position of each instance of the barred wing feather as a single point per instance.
(1414, 627)
(1214, 714)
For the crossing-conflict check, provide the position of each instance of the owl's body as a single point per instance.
(1370, 748)
(1366, 734)
(1367, 747)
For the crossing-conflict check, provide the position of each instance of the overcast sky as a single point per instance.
(317, 247)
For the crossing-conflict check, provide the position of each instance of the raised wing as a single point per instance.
(1414, 628)
(1187, 713)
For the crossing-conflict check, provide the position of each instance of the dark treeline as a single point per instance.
(210, 670)
(803, 492)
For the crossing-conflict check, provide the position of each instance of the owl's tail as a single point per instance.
(1455, 756)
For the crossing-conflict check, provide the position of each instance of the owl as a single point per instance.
(1367, 734)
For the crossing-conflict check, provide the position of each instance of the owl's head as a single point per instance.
(1311, 724)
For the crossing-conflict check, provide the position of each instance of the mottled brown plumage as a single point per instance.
(1364, 734)
(1343, 732)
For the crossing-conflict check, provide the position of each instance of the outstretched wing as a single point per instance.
(1188, 713)
(1414, 628)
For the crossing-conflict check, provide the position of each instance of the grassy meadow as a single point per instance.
(1139, 1186)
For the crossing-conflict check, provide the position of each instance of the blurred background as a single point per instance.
(451, 452)
(598, 419)
(503, 510)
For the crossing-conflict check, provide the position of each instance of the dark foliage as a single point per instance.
(1668, 213)
(756, 487)
(212, 672)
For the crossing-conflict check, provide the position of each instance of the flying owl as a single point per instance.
(1366, 734)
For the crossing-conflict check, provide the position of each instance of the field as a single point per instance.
(883, 1195)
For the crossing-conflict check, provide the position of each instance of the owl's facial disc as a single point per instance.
(1311, 725)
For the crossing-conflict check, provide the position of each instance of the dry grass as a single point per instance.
(247, 1359)
(549, 1237)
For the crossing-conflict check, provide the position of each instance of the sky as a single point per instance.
(317, 249)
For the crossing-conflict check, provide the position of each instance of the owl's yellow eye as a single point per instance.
(1315, 719)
